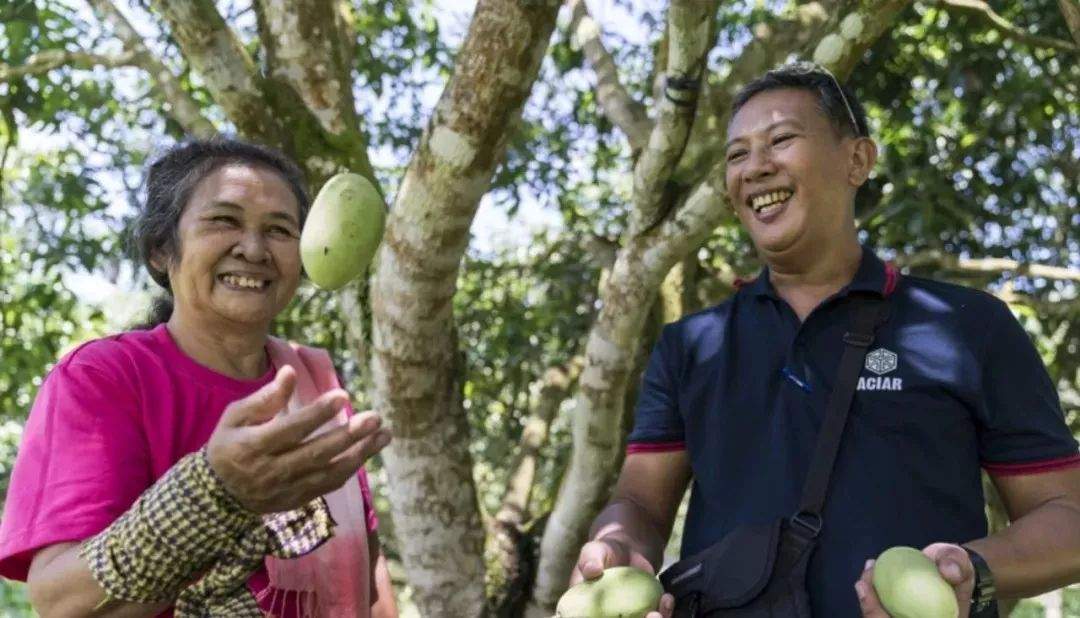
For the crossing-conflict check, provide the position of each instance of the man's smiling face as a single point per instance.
(789, 172)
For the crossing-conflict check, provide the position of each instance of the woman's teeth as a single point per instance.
(767, 202)
(244, 282)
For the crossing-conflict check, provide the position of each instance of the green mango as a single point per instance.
(910, 586)
(342, 231)
(621, 592)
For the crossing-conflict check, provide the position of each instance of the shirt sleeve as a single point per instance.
(1022, 427)
(658, 423)
(82, 462)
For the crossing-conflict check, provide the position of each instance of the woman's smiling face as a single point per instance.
(238, 257)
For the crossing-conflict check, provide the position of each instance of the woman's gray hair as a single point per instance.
(170, 181)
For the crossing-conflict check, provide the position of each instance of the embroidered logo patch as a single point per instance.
(881, 361)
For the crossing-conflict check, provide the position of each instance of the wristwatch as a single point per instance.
(982, 597)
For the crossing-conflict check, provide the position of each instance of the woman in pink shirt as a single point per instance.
(201, 466)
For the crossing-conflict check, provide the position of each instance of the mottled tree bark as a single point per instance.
(1070, 9)
(511, 547)
(629, 292)
(309, 54)
(433, 497)
(689, 28)
(230, 74)
(622, 109)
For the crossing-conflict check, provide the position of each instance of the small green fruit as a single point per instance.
(910, 586)
(621, 592)
(342, 231)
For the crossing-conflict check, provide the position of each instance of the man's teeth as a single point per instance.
(243, 282)
(768, 199)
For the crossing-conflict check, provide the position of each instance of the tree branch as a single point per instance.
(345, 17)
(303, 43)
(819, 31)
(45, 61)
(551, 391)
(689, 25)
(1071, 10)
(773, 41)
(1002, 25)
(509, 551)
(181, 106)
(229, 73)
(621, 108)
(310, 84)
(427, 232)
(989, 266)
(1060, 309)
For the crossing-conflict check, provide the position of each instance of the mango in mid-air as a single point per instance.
(621, 592)
(342, 231)
(910, 586)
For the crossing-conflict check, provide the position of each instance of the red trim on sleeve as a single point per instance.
(1033, 467)
(892, 276)
(654, 447)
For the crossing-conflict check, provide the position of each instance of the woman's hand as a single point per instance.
(265, 459)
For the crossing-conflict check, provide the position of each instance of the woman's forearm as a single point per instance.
(60, 584)
(385, 606)
(142, 561)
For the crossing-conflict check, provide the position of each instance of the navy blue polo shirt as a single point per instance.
(952, 383)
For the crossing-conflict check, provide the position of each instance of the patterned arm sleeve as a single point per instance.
(174, 531)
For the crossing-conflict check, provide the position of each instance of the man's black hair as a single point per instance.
(823, 85)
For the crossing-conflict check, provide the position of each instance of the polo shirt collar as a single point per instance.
(873, 275)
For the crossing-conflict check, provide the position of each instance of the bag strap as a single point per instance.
(869, 313)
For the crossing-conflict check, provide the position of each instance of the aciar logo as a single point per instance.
(880, 362)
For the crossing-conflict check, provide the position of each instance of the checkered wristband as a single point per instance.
(174, 531)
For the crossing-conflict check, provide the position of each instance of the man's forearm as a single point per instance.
(627, 522)
(1037, 553)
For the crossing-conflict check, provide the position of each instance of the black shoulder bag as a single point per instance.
(759, 571)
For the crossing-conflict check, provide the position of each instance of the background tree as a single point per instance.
(507, 365)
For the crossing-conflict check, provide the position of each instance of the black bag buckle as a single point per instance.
(858, 339)
(809, 522)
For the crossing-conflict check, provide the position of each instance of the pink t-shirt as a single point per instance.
(111, 418)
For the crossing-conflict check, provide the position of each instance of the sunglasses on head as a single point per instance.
(809, 68)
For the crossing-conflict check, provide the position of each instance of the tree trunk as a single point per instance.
(417, 390)
(511, 551)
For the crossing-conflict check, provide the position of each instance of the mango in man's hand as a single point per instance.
(621, 592)
(342, 231)
(910, 586)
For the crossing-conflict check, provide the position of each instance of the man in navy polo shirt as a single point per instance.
(733, 396)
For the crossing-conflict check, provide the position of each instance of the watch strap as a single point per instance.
(982, 596)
